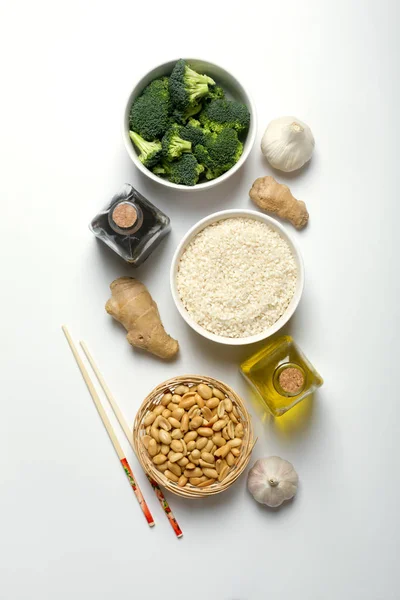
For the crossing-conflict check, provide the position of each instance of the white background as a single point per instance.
(70, 526)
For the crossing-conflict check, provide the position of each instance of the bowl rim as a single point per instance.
(247, 144)
(219, 216)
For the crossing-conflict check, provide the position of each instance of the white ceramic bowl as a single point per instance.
(219, 216)
(234, 90)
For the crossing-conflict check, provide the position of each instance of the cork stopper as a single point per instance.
(291, 380)
(124, 215)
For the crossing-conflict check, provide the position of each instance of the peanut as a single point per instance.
(231, 430)
(218, 394)
(178, 413)
(223, 473)
(223, 451)
(196, 422)
(164, 449)
(174, 422)
(166, 413)
(195, 454)
(171, 407)
(145, 441)
(171, 476)
(164, 437)
(208, 446)
(176, 399)
(200, 402)
(175, 456)
(218, 440)
(200, 443)
(235, 443)
(207, 457)
(233, 418)
(207, 414)
(212, 403)
(183, 462)
(204, 432)
(239, 433)
(221, 410)
(149, 419)
(235, 452)
(228, 404)
(176, 446)
(164, 424)
(187, 402)
(185, 423)
(191, 445)
(197, 472)
(152, 447)
(206, 483)
(154, 433)
(210, 473)
(182, 481)
(166, 399)
(204, 391)
(197, 480)
(177, 434)
(230, 459)
(174, 468)
(191, 435)
(162, 467)
(218, 425)
(208, 465)
(181, 390)
(159, 459)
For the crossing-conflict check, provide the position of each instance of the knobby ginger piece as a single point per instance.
(132, 305)
(276, 198)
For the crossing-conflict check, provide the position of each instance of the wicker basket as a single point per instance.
(190, 491)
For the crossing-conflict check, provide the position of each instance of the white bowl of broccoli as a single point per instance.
(189, 124)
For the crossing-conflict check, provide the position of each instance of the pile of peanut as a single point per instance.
(194, 435)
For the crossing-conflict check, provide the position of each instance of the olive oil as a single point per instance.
(281, 374)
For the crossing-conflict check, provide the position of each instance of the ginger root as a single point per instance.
(132, 305)
(276, 198)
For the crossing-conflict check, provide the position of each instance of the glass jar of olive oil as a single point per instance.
(281, 374)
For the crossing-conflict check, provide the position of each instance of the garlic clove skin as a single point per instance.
(272, 481)
(287, 144)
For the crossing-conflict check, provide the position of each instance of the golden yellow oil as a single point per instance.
(262, 371)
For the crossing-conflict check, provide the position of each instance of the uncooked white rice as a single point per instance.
(237, 277)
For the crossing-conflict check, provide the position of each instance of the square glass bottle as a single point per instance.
(281, 374)
(131, 225)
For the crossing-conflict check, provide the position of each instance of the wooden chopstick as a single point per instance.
(109, 429)
(129, 436)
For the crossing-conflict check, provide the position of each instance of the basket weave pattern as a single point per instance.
(191, 491)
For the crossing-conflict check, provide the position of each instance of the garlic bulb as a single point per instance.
(287, 143)
(272, 480)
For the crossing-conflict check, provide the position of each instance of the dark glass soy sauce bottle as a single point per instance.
(131, 225)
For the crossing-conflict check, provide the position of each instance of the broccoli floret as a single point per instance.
(184, 171)
(219, 114)
(187, 87)
(150, 152)
(215, 93)
(181, 116)
(193, 132)
(173, 145)
(159, 170)
(219, 152)
(150, 113)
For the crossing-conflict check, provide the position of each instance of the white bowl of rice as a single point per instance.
(237, 277)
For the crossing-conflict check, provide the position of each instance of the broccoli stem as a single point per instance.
(195, 78)
(142, 145)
